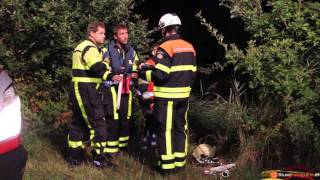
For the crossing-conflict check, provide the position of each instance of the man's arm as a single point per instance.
(161, 70)
(93, 59)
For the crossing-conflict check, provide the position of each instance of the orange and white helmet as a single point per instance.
(169, 19)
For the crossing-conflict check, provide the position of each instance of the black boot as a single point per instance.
(76, 156)
(101, 160)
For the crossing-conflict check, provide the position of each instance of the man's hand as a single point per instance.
(141, 65)
(134, 75)
(117, 78)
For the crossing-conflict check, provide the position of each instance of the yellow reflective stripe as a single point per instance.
(148, 75)
(168, 128)
(180, 154)
(126, 138)
(75, 144)
(80, 104)
(163, 68)
(172, 89)
(97, 86)
(186, 130)
(123, 144)
(105, 75)
(110, 150)
(112, 143)
(98, 151)
(171, 95)
(106, 63)
(183, 68)
(86, 79)
(129, 105)
(168, 166)
(180, 164)
(167, 157)
(114, 100)
(91, 134)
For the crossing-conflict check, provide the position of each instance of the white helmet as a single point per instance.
(169, 19)
(203, 152)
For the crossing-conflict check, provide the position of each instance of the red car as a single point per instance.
(13, 155)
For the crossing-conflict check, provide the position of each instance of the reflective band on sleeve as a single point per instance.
(183, 68)
(163, 68)
(114, 100)
(86, 79)
(148, 75)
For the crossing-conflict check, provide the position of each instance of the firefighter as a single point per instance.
(173, 76)
(117, 96)
(145, 98)
(88, 71)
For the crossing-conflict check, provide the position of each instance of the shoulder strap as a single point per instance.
(85, 49)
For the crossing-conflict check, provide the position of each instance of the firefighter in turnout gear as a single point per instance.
(88, 71)
(117, 93)
(173, 75)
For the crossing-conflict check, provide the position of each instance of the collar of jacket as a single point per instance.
(171, 37)
(114, 44)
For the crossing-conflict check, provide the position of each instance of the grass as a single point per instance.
(46, 162)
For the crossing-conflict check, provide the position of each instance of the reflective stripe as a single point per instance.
(110, 150)
(172, 89)
(168, 128)
(171, 95)
(98, 151)
(129, 105)
(123, 144)
(114, 100)
(97, 86)
(124, 138)
(80, 104)
(163, 68)
(75, 144)
(148, 75)
(91, 134)
(186, 130)
(112, 143)
(183, 68)
(105, 75)
(168, 166)
(86, 79)
(167, 157)
(180, 164)
(180, 154)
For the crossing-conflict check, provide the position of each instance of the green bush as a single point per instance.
(37, 38)
(282, 61)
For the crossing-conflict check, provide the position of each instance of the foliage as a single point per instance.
(282, 61)
(37, 38)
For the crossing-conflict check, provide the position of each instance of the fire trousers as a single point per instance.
(171, 116)
(88, 117)
(118, 120)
